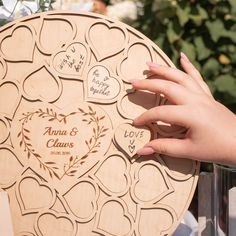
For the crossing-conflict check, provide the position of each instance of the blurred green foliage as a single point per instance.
(205, 31)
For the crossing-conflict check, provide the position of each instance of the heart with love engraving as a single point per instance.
(130, 139)
(61, 144)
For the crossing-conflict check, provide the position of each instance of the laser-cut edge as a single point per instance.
(64, 50)
(111, 75)
(40, 182)
(38, 97)
(161, 159)
(6, 123)
(94, 202)
(136, 180)
(122, 97)
(14, 180)
(167, 208)
(4, 66)
(25, 233)
(129, 122)
(126, 214)
(19, 96)
(126, 174)
(29, 58)
(110, 26)
(56, 215)
(45, 17)
(126, 57)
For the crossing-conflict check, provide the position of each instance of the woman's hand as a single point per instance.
(211, 127)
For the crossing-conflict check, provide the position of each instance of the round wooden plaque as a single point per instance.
(67, 145)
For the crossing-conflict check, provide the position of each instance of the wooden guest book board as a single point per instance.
(67, 145)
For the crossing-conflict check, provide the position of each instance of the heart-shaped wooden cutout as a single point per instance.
(106, 39)
(145, 191)
(133, 64)
(113, 174)
(130, 139)
(23, 36)
(42, 84)
(55, 32)
(51, 223)
(9, 92)
(71, 62)
(10, 166)
(87, 192)
(30, 185)
(61, 144)
(101, 86)
(114, 219)
(160, 220)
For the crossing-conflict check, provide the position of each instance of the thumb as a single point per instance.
(168, 146)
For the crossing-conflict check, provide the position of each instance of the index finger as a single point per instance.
(175, 93)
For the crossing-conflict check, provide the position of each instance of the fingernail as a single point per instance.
(184, 57)
(152, 64)
(133, 81)
(145, 151)
(134, 122)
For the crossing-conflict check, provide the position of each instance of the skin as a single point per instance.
(211, 127)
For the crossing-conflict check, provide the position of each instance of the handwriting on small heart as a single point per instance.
(101, 86)
(71, 63)
(130, 139)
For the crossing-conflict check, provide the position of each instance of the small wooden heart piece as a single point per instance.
(130, 139)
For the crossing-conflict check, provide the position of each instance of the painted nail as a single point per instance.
(152, 64)
(184, 57)
(145, 151)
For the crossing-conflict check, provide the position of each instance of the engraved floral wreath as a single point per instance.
(74, 162)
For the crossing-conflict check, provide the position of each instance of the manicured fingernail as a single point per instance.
(152, 64)
(184, 57)
(134, 121)
(145, 151)
(133, 81)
